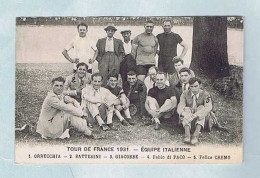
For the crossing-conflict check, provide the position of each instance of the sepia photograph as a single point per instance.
(129, 90)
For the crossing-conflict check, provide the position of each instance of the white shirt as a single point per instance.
(83, 49)
(127, 47)
(109, 45)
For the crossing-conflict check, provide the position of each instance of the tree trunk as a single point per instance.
(209, 47)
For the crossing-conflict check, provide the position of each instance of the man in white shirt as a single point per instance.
(96, 99)
(83, 49)
(128, 63)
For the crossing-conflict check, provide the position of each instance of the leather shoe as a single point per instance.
(104, 127)
(124, 123)
(194, 140)
(89, 136)
(112, 127)
(130, 121)
(186, 139)
(157, 126)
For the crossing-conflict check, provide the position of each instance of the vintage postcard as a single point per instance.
(129, 90)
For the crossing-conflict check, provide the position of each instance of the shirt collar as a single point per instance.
(110, 38)
(197, 95)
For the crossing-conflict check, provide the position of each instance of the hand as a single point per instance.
(76, 60)
(91, 61)
(177, 57)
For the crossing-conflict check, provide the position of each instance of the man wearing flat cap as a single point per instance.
(109, 53)
(128, 62)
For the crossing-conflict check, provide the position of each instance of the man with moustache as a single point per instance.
(168, 42)
(109, 53)
(59, 112)
(83, 49)
(144, 49)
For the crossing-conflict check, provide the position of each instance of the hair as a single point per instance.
(160, 72)
(185, 69)
(59, 79)
(82, 64)
(131, 72)
(112, 74)
(153, 67)
(166, 20)
(193, 80)
(82, 24)
(149, 21)
(96, 75)
(175, 61)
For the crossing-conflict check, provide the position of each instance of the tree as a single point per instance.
(209, 47)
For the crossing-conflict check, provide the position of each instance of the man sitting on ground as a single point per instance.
(124, 101)
(59, 112)
(98, 100)
(161, 100)
(195, 104)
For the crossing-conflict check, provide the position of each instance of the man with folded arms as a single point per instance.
(161, 100)
(195, 104)
(59, 112)
(98, 100)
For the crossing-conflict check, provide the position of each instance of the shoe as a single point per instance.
(130, 121)
(186, 139)
(148, 122)
(90, 125)
(112, 127)
(104, 127)
(89, 136)
(157, 126)
(194, 140)
(124, 123)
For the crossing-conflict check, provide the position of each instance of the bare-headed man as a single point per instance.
(144, 49)
(161, 100)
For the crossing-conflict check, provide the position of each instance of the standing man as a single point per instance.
(161, 100)
(83, 49)
(168, 42)
(59, 112)
(99, 100)
(109, 53)
(128, 62)
(76, 82)
(136, 92)
(195, 104)
(144, 49)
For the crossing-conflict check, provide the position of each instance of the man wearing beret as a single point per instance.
(128, 62)
(109, 53)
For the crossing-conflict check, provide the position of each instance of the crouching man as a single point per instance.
(195, 104)
(59, 112)
(161, 100)
(99, 102)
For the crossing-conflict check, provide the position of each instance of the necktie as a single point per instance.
(130, 90)
(194, 103)
(184, 87)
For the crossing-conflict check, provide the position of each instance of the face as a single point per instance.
(126, 35)
(152, 74)
(178, 66)
(167, 26)
(57, 87)
(96, 82)
(185, 77)
(110, 33)
(82, 31)
(81, 71)
(131, 79)
(149, 28)
(160, 81)
(112, 82)
(195, 87)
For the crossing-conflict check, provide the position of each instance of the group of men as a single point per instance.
(121, 78)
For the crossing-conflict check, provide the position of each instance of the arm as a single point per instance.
(134, 47)
(121, 51)
(94, 57)
(90, 98)
(156, 46)
(153, 113)
(142, 96)
(67, 90)
(181, 105)
(204, 111)
(184, 50)
(68, 99)
(168, 105)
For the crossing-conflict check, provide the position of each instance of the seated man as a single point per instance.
(98, 100)
(195, 104)
(76, 82)
(161, 100)
(150, 80)
(124, 101)
(174, 78)
(59, 112)
(183, 85)
(135, 91)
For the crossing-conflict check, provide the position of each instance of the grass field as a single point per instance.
(33, 83)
